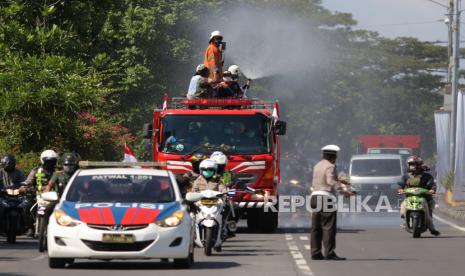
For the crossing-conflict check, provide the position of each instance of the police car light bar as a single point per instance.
(116, 164)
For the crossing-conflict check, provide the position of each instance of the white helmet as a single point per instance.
(219, 158)
(200, 67)
(48, 155)
(215, 34)
(234, 69)
(208, 164)
(330, 148)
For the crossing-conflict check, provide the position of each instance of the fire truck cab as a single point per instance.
(246, 130)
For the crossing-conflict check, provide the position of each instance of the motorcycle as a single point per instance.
(12, 202)
(416, 207)
(211, 220)
(44, 211)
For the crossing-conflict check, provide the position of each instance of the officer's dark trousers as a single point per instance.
(324, 226)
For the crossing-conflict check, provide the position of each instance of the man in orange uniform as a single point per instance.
(214, 56)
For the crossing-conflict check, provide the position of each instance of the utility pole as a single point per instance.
(455, 83)
(450, 15)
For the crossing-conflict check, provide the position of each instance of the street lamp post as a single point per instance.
(455, 84)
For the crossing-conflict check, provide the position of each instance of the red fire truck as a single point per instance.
(246, 130)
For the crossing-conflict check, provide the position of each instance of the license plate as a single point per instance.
(118, 238)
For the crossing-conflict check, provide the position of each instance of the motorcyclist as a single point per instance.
(59, 179)
(38, 179)
(208, 179)
(10, 176)
(226, 176)
(419, 177)
(186, 180)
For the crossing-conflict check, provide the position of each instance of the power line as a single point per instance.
(437, 3)
(402, 24)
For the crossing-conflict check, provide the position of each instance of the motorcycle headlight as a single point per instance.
(173, 220)
(64, 220)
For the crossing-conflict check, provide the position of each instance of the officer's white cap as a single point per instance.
(330, 148)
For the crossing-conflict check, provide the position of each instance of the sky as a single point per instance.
(393, 18)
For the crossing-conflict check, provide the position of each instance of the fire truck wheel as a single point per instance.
(252, 219)
(268, 221)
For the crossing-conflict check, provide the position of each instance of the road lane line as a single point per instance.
(288, 237)
(40, 257)
(299, 258)
(449, 223)
(307, 246)
(303, 238)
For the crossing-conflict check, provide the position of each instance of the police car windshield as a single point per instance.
(232, 134)
(121, 188)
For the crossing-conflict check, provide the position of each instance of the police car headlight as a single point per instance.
(174, 220)
(64, 220)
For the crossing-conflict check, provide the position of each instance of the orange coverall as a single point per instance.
(213, 60)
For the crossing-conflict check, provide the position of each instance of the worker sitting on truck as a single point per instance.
(199, 86)
(208, 180)
(239, 92)
(214, 56)
(227, 88)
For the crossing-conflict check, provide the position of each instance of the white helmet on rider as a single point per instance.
(219, 158)
(208, 168)
(235, 71)
(48, 155)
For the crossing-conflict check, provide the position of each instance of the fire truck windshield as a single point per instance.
(232, 134)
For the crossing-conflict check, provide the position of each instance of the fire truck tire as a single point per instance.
(253, 222)
(268, 221)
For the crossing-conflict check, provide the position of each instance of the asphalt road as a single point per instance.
(373, 243)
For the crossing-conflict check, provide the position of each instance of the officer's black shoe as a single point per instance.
(318, 257)
(435, 233)
(335, 257)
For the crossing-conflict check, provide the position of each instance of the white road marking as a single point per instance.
(288, 237)
(307, 246)
(40, 257)
(449, 223)
(298, 257)
(303, 238)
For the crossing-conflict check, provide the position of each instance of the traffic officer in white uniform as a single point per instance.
(323, 201)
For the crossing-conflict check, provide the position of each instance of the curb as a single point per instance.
(448, 211)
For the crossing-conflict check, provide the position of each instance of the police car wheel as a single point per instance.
(58, 262)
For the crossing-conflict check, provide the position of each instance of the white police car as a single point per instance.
(120, 213)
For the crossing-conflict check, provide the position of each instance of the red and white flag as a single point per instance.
(165, 102)
(275, 113)
(129, 154)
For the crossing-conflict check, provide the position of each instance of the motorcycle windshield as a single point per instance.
(232, 134)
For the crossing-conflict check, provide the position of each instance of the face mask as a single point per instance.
(208, 174)
(412, 168)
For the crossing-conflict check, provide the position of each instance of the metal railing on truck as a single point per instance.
(183, 103)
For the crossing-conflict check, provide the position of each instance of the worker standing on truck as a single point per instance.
(324, 205)
(214, 56)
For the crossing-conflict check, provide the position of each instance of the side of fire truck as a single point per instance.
(246, 130)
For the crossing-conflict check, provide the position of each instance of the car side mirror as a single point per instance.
(193, 197)
(147, 131)
(280, 128)
(49, 196)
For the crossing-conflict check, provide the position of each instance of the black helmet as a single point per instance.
(8, 162)
(70, 162)
(195, 161)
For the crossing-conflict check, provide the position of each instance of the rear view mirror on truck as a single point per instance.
(280, 128)
(147, 132)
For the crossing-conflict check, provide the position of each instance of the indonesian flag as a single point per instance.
(275, 113)
(165, 102)
(128, 154)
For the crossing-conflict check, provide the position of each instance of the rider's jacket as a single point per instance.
(420, 179)
(201, 184)
(12, 179)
